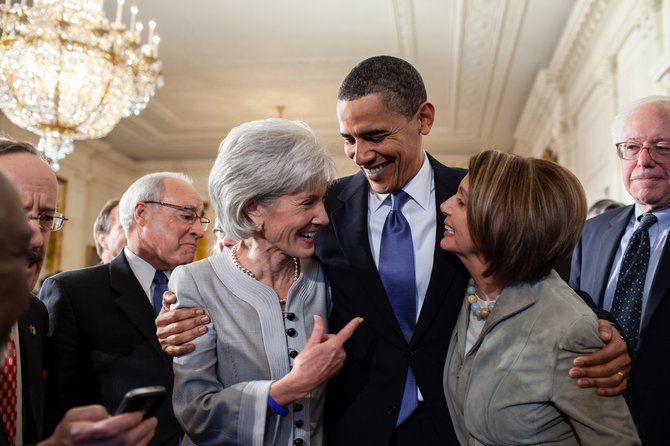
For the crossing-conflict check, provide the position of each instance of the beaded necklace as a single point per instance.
(236, 262)
(481, 312)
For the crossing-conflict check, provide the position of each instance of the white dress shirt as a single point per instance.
(144, 272)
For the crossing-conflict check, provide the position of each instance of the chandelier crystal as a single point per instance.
(67, 73)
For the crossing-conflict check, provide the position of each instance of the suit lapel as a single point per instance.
(608, 243)
(659, 289)
(444, 264)
(350, 225)
(31, 364)
(133, 302)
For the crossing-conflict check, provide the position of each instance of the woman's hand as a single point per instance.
(322, 357)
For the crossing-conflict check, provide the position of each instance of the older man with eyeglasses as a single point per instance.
(21, 374)
(623, 260)
(102, 334)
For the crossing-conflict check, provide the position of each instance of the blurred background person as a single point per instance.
(223, 240)
(257, 377)
(521, 326)
(603, 205)
(108, 233)
(37, 187)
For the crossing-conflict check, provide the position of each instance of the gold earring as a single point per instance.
(259, 227)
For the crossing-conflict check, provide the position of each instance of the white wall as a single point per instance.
(611, 53)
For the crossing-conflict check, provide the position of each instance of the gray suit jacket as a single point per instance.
(513, 386)
(221, 389)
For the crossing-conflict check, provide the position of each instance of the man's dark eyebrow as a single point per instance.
(369, 133)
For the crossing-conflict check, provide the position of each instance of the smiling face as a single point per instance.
(646, 180)
(163, 236)
(291, 221)
(457, 237)
(385, 144)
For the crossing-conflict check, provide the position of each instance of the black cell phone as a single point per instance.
(142, 399)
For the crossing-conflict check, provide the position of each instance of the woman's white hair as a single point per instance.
(261, 161)
(150, 187)
(622, 117)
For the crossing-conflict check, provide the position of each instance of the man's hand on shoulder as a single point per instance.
(177, 328)
(607, 369)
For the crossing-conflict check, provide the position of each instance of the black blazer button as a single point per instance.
(299, 424)
(297, 407)
(293, 353)
(291, 332)
(290, 316)
(392, 410)
(298, 442)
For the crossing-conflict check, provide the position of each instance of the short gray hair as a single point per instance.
(628, 110)
(150, 187)
(261, 161)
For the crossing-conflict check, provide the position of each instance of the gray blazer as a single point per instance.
(513, 386)
(221, 389)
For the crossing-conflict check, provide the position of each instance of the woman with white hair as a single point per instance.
(257, 376)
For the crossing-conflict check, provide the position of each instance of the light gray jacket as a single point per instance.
(221, 389)
(513, 386)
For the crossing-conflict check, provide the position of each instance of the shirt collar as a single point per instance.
(663, 216)
(143, 271)
(419, 188)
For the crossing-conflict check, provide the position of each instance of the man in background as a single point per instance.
(623, 260)
(36, 185)
(102, 334)
(108, 233)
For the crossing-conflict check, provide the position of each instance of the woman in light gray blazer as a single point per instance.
(257, 376)
(520, 328)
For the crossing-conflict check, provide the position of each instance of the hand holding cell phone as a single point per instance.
(142, 399)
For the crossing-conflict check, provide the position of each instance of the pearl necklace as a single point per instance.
(475, 308)
(236, 262)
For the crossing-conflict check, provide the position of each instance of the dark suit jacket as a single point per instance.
(363, 399)
(33, 327)
(102, 343)
(591, 265)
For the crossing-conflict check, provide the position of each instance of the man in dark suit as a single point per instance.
(102, 337)
(36, 185)
(383, 114)
(642, 137)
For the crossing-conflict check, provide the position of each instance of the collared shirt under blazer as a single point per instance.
(221, 389)
(513, 386)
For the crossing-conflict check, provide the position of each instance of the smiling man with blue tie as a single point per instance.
(623, 260)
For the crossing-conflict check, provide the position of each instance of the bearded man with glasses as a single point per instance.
(102, 334)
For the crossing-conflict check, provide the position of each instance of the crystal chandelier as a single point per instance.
(67, 73)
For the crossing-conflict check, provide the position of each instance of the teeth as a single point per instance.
(449, 229)
(376, 170)
(308, 234)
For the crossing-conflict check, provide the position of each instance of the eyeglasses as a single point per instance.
(187, 214)
(49, 221)
(630, 150)
(217, 231)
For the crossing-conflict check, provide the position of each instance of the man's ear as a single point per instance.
(141, 213)
(101, 238)
(426, 117)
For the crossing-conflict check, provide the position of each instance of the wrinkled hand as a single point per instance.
(92, 425)
(606, 369)
(176, 328)
(322, 357)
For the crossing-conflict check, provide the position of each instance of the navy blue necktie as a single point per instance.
(160, 286)
(627, 301)
(396, 269)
